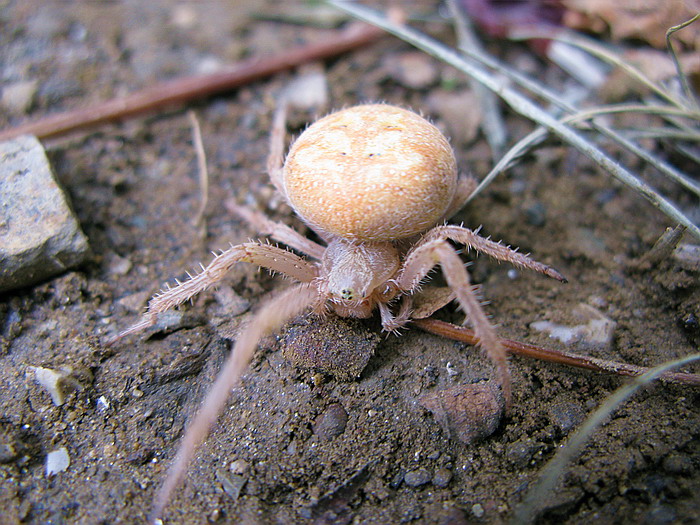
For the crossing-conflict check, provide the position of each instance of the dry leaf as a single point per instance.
(646, 20)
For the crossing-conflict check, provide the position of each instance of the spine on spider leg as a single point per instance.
(184, 291)
(498, 250)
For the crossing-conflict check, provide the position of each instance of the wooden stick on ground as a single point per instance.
(178, 92)
(465, 335)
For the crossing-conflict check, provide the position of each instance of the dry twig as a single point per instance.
(178, 92)
(465, 335)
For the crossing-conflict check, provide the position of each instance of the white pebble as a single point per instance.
(595, 331)
(51, 380)
(57, 461)
(102, 403)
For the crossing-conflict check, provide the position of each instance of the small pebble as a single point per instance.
(102, 404)
(522, 451)
(477, 510)
(688, 257)
(416, 478)
(460, 111)
(308, 91)
(566, 415)
(8, 452)
(57, 461)
(397, 480)
(51, 381)
(56, 382)
(118, 265)
(18, 97)
(231, 303)
(331, 422)
(231, 483)
(412, 69)
(442, 477)
(536, 214)
(466, 412)
(333, 345)
(677, 464)
(239, 466)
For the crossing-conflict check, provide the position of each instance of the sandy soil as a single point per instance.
(296, 446)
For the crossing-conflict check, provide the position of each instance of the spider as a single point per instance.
(376, 183)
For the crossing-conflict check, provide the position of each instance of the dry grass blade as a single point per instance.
(552, 97)
(543, 92)
(605, 54)
(524, 106)
(494, 127)
(681, 75)
(527, 511)
(203, 172)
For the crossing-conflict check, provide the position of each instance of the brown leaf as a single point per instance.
(646, 20)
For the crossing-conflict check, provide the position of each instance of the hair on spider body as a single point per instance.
(376, 182)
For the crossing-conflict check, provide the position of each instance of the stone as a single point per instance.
(466, 413)
(39, 235)
(418, 477)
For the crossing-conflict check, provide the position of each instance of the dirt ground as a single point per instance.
(296, 446)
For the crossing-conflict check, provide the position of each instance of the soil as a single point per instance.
(295, 445)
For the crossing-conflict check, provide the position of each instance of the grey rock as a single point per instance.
(442, 477)
(418, 477)
(39, 235)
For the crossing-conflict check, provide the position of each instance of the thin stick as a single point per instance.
(465, 335)
(202, 170)
(600, 51)
(178, 92)
(681, 75)
(493, 125)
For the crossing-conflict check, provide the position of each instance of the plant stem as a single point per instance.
(465, 335)
(180, 91)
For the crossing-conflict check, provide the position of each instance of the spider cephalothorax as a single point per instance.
(376, 182)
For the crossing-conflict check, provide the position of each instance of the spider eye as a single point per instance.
(347, 294)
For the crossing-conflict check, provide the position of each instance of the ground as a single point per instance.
(294, 445)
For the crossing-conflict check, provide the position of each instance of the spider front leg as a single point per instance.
(270, 318)
(264, 255)
(420, 261)
(276, 230)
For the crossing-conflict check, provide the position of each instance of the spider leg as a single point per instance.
(264, 255)
(466, 184)
(496, 250)
(269, 319)
(391, 322)
(437, 251)
(278, 231)
(275, 158)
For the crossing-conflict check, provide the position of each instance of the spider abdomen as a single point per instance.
(371, 173)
